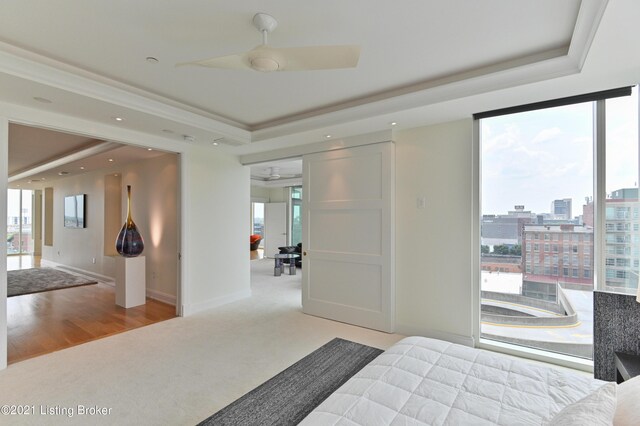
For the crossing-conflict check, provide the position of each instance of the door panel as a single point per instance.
(348, 206)
(344, 224)
(275, 227)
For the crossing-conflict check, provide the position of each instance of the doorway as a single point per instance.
(46, 321)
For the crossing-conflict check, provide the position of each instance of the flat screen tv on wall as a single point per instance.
(74, 211)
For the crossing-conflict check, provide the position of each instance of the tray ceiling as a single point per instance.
(404, 46)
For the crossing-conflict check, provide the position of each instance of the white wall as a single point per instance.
(434, 245)
(77, 247)
(4, 173)
(259, 192)
(154, 209)
(215, 260)
(271, 195)
(278, 195)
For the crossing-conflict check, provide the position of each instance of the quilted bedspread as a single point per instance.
(422, 381)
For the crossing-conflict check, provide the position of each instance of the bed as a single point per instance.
(426, 381)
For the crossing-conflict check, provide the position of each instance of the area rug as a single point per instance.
(287, 398)
(36, 280)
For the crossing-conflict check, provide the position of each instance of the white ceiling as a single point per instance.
(38, 157)
(421, 61)
(30, 147)
(402, 45)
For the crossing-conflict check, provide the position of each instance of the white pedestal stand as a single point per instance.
(131, 285)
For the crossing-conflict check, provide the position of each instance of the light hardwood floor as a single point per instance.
(46, 322)
(257, 254)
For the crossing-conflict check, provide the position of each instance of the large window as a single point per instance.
(19, 221)
(296, 215)
(257, 220)
(537, 188)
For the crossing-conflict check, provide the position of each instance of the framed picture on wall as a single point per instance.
(74, 211)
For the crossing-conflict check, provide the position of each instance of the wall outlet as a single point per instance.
(93, 260)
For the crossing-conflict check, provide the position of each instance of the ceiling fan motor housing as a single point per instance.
(264, 64)
(264, 22)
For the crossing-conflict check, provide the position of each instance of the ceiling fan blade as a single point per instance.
(316, 57)
(267, 58)
(238, 61)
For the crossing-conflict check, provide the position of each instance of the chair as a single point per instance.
(254, 241)
(292, 249)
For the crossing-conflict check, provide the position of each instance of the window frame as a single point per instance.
(599, 246)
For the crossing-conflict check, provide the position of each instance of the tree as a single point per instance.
(484, 249)
(516, 250)
(501, 249)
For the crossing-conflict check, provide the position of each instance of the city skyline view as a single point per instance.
(524, 164)
(537, 274)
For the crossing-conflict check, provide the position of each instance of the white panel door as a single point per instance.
(348, 242)
(275, 227)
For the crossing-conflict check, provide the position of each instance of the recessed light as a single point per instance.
(151, 60)
(215, 143)
(43, 100)
(81, 167)
(149, 149)
(111, 160)
(63, 173)
(118, 118)
(188, 138)
(167, 131)
(327, 136)
(116, 175)
(393, 123)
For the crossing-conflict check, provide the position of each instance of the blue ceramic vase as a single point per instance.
(129, 242)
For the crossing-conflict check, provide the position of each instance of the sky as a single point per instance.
(13, 202)
(536, 157)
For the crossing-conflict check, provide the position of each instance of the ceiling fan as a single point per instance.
(274, 174)
(266, 58)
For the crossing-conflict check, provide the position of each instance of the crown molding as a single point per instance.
(321, 146)
(40, 69)
(550, 64)
(66, 159)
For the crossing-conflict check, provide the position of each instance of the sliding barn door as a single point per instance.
(348, 239)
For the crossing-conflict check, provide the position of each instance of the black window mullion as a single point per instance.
(587, 97)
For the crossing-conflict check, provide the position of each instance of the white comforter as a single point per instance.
(426, 381)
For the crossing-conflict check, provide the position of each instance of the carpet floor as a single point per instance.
(290, 396)
(36, 280)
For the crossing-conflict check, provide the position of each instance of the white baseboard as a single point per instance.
(193, 308)
(410, 330)
(103, 278)
(162, 297)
